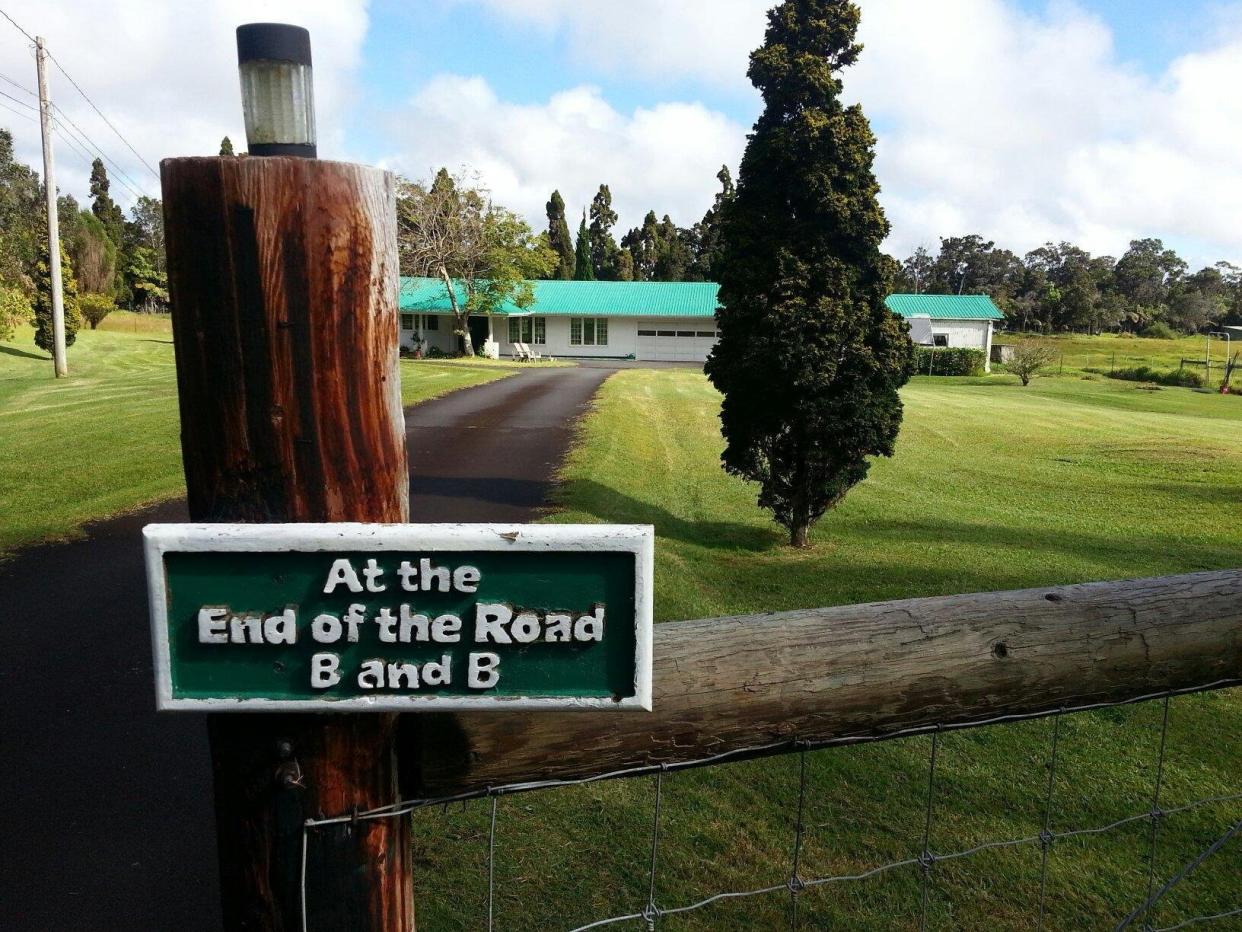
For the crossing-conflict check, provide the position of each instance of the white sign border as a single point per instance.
(637, 539)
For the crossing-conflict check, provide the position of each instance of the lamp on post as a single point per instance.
(278, 95)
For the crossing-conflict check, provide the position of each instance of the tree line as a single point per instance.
(107, 259)
(1061, 287)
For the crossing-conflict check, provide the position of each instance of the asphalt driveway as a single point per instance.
(108, 821)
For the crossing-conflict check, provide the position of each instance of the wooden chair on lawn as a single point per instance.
(521, 353)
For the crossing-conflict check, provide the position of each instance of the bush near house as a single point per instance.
(947, 361)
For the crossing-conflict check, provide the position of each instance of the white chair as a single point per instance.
(520, 352)
(532, 354)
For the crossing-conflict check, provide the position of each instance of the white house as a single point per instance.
(949, 320)
(674, 321)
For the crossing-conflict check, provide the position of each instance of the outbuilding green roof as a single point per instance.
(604, 299)
(944, 306)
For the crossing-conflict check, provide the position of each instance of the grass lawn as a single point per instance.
(105, 440)
(993, 487)
(1109, 351)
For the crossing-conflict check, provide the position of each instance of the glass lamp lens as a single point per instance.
(278, 101)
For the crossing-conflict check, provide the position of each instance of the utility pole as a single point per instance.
(53, 223)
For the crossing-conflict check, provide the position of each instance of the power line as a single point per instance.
(16, 26)
(78, 88)
(25, 116)
(20, 103)
(86, 140)
(86, 153)
(20, 87)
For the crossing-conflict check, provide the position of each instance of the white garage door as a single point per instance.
(676, 341)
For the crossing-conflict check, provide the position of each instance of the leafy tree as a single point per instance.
(92, 251)
(95, 307)
(42, 303)
(559, 239)
(916, 272)
(604, 249)
(14, 309)
(642, 243)
(226, 146)
(1029, 357)
(809, 358)
(22, 222)
(1144, 277)
(148, 283)
(484, 254)
(584, 271)
(673, 255)
(103, 207)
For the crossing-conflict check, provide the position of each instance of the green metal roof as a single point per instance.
(944, 306)
(614, 299)
(611, 299)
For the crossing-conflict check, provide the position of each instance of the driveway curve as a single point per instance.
(109, 820)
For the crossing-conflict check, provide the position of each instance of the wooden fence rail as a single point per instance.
(857, 672)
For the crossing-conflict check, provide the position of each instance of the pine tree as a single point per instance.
(103, 207)
(559, 238)
(809, 359)
(604, 248)
(705, 236)
(584, 271)
(226, 146)
(43, 298)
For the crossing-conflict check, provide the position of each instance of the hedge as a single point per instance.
(948, 360)
(1178, 378)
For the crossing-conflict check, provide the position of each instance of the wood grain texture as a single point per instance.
(856, 672)
(283, 278)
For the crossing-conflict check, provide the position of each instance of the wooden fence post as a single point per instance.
(283, 279)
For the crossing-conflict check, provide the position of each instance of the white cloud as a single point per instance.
(661, 39)
(663, 157)
(1025, 128)
(165, 73)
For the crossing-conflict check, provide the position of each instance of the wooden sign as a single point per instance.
(400, 617)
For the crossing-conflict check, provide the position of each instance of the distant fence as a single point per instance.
(925, 667)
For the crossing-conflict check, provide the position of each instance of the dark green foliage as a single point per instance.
(1177, 378)
(809, 358)
(22, 218)
(951, 360)
(43, 300)
(103, 207)
(605, 254)
(226, 146)
(559, 238)
(584, 271)
(1158, 331)
(704, 238)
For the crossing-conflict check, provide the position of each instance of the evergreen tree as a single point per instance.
(43, 298)
(103, 207)
(604, 249)
(672, 252)
(583, 270)
(559, 238)
(809, 359)
(642, 243)
(704, 238)
(21, 219)
(226, 146)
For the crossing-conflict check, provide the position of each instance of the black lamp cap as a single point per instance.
(273, 42)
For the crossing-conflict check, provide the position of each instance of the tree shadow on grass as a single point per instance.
(609, 505)
(152, 340)
(14, 351)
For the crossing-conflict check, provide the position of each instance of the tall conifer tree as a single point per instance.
(584, 271)
(559, 238)
(604, 249)
(809, 358)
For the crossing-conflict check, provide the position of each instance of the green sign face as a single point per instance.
(400, 617)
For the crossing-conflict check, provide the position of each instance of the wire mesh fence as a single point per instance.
(1090, 817)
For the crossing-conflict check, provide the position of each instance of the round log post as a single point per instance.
(283, 280)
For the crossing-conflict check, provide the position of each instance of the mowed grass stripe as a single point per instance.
(993, 487)
(105, 440)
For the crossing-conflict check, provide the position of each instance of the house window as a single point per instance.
(707, 333)
(646, 333)
(527, 330)
(588, 331)
(431, 322)
(407, 321)
(940, 339)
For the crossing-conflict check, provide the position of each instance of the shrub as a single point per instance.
(1158, 331)
(1029, 357)
(1178, 378)
(953, 360)
(95, 307)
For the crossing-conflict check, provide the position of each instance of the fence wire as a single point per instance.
(925, 861)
